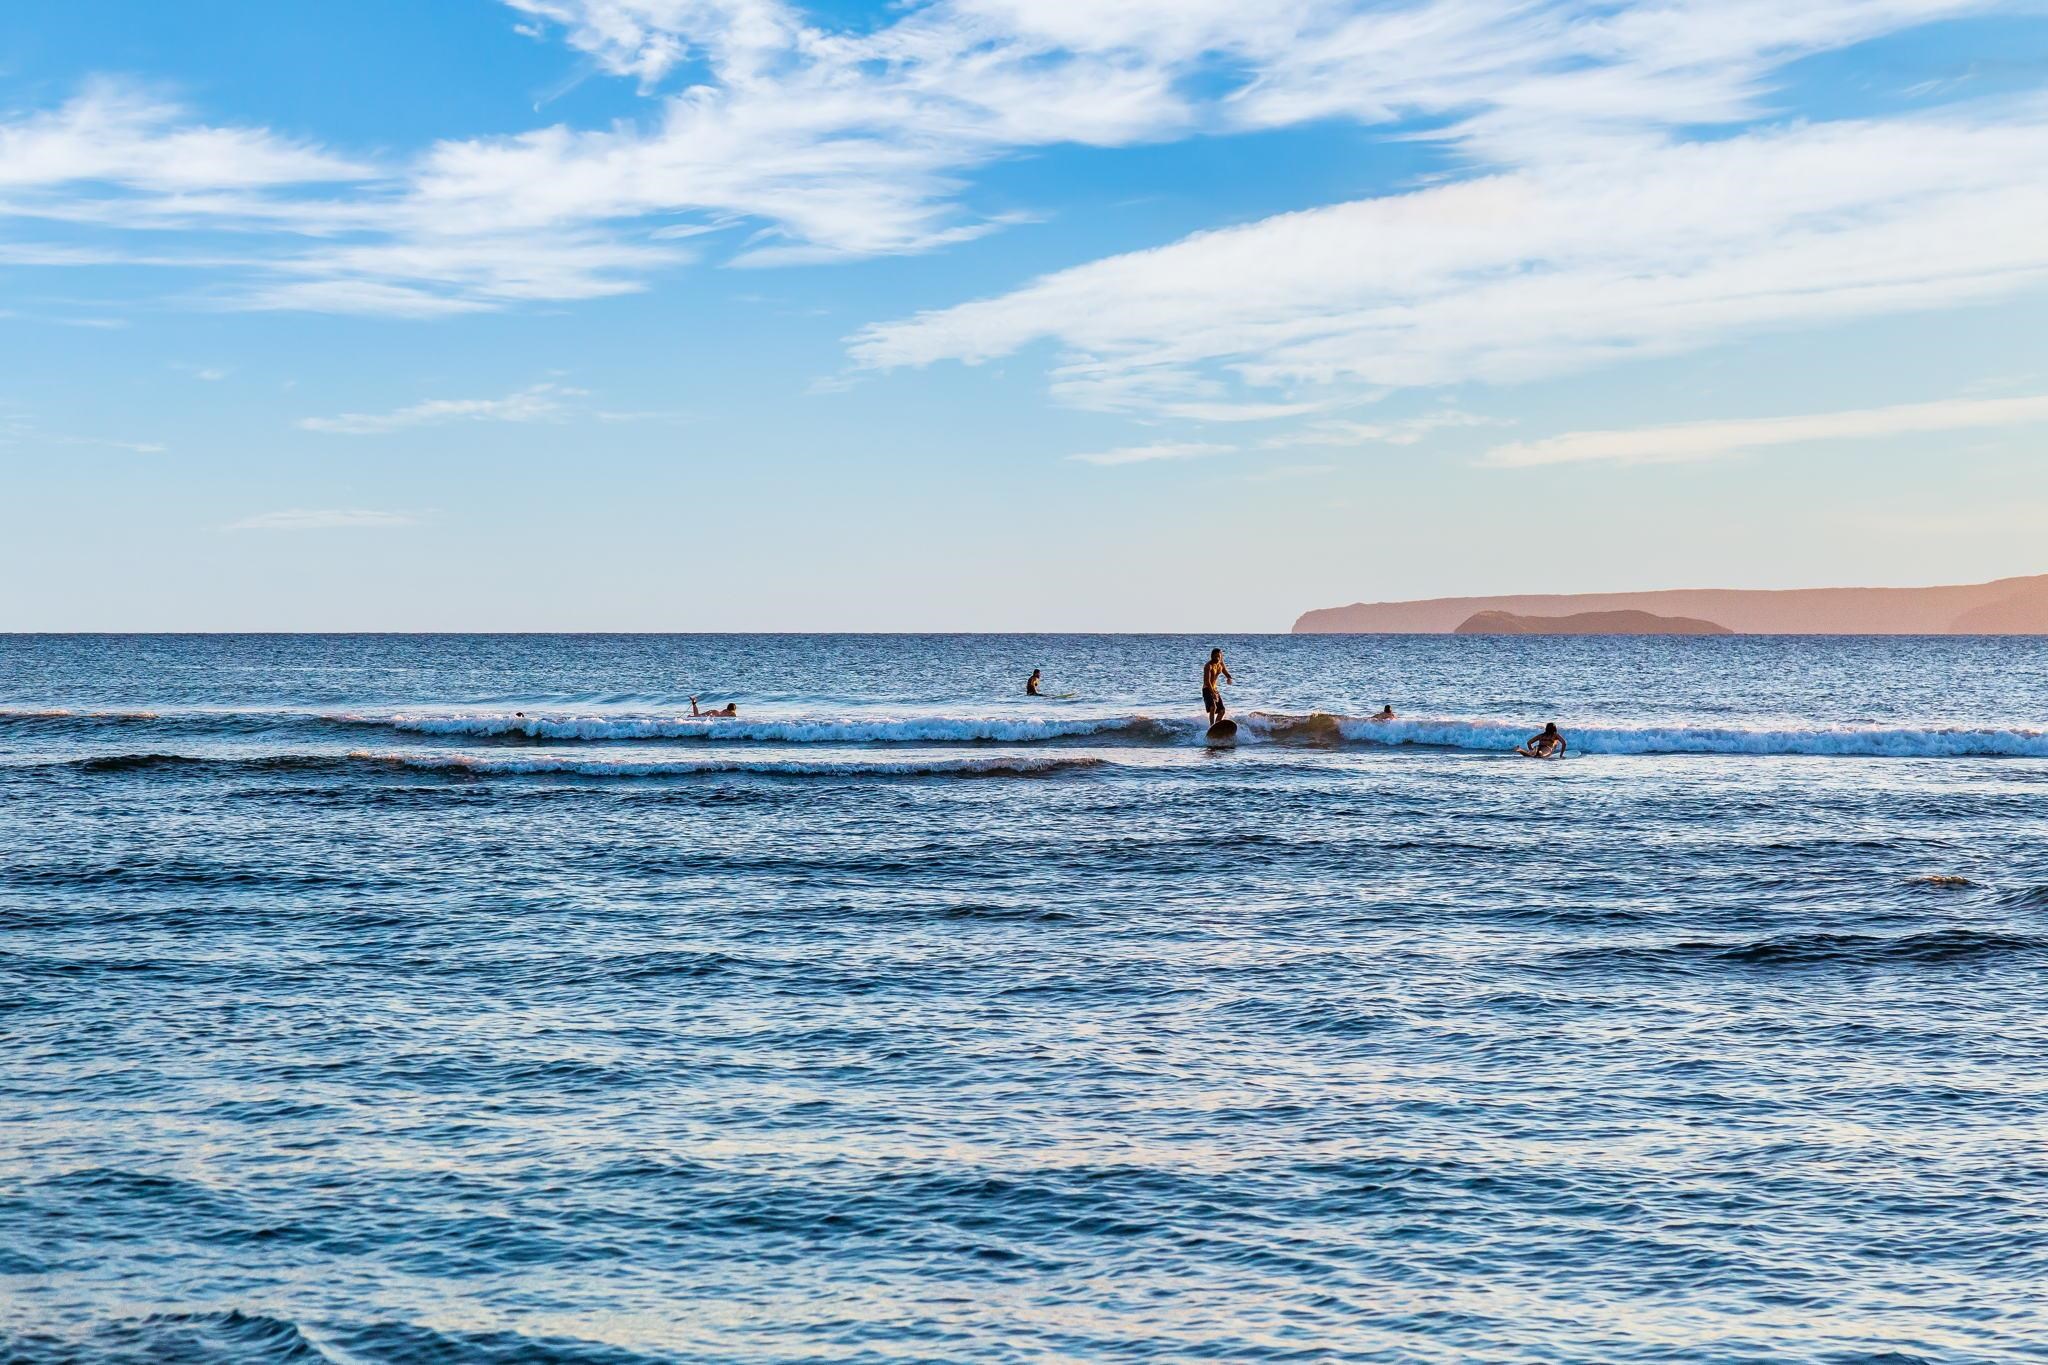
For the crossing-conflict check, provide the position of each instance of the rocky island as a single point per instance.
(1587, 623)
(2007, 606)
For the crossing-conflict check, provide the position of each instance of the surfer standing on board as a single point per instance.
(1212, 699)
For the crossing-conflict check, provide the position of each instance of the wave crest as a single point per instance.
(1314, 729)
(824, 730)
(1006, 766)
(1597, 738)
(522, 765)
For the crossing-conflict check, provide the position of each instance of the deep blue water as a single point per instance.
(348, 1015)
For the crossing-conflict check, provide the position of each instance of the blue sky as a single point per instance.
(1007, 314)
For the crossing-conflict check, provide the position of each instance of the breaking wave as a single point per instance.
(1007, 765)
(1021, 765)
(1595, 738)
(1315, 728)
(1310, 730)
(800, 730)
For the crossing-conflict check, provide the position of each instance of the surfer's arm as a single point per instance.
(1226, 675)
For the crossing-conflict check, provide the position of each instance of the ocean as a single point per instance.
(350, 1014)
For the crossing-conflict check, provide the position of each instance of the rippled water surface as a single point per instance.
(462, 999)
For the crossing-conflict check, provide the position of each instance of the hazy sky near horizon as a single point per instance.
(1007, 314)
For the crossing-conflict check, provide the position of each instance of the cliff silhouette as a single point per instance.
(2008, 606)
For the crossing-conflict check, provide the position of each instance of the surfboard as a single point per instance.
(1223, 732)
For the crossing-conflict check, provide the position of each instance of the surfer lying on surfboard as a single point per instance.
(728, 711)
(1549, 744)
(1034, 686)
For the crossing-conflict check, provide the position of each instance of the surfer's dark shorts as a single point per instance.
(1211, 699)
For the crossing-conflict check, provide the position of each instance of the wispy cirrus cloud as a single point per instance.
(118, 135)
(1159, 450)
(1400, 431)
(1645, 249)
(324, 519)
(1288, 473)
(771, 135)
(1712, 440)
(541, 402)
(18, 430)
(132, 447)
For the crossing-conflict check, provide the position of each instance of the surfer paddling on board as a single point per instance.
(1549, 744)
(1031, 685)
(1212, 698)
(729, 711)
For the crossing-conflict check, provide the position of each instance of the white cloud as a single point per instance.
(828, 143)
(649, 38)
(1522, 83)
(803, 140)
(427, 275)
(542, 402)
(323, 519)
(1287, 473)
(1404, 431)
(1709, 440)
(1163, 450)
(1495, 68)
(369, 297)
(119, 135)
(16, 430)
(1653, 248)
(1236, 412)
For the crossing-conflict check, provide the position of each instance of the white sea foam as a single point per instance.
(1315, 729)
(796, 730)
(1008, 765)
(1603, 738)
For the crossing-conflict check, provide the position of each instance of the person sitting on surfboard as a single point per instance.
(1549, 744)
(1212, 699)
(1386, 712)
(1031, 685)
(729, 710)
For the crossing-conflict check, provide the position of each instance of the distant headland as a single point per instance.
(2008, 606)
(1587, 623)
